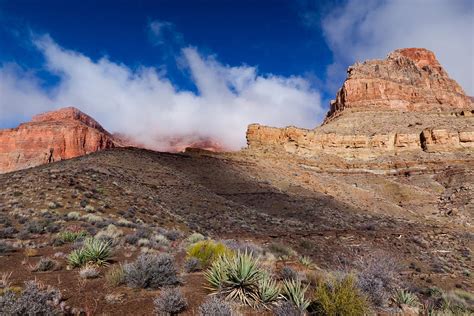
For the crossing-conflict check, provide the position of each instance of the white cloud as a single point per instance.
(144, 104)
(365, 29)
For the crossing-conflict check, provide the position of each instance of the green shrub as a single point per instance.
(340, 296)
(403, 297)
(207, 251)
(236, 277)
(69, 236)
(93, 251)
(194, 238)
(295, 292)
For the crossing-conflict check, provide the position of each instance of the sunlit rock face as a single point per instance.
(404, 103)
(50, 137)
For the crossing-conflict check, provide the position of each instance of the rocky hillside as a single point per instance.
(405, 103)
(50, 137)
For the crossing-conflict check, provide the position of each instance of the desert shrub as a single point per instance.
(207, 251)
(286, 308)
(35, 227)
(236, 277)
(131, 239)
(194, 238)
(192, 265)
(281, 251)
(378, 278)
(31, 252)
(457, 302)
(160, 241)
(92, 251)
(4, 247)
(287, 273)
(214, 306)
(115, 276)
(89, 272)
(248, 247)
(7, 232)
(173, 234)
(294, 291)
(52, 228)
(151, 271)
(35, 299)
(340, 296)
(5, 280)
(404, 297)
(170, 301)
(71, 236)
(73, 216)
(45, 264)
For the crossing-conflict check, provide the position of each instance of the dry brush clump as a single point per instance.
(214, 306)
(151, 271)
(35, 299)
(170, 302)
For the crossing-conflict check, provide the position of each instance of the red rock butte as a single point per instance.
(404, 103)
(51, 136)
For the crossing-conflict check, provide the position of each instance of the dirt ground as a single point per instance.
(422, 219)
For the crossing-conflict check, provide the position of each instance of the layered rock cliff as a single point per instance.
(50, 137)
(404, 103)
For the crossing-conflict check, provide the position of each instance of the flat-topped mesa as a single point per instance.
(52, 136)
(409, 79)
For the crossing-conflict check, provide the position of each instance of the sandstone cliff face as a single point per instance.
(50, 137)
(405, 103)
(408, 80)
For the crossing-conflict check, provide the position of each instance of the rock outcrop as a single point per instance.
(404, 103)
(407, 80)
(50, 137)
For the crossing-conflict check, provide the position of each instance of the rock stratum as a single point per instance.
(404, 103)
(51, 136)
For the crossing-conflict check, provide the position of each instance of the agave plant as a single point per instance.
(403, 297)
(268, 289)
(237, 277)
(295, 292)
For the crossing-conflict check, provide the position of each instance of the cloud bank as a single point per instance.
(145, 105)
(364, 29)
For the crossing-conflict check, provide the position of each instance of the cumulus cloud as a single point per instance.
(144, 104)
(364, 29)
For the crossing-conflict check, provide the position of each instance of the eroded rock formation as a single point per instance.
(406, 102)
(50, 137)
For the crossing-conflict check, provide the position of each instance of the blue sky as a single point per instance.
(269, 34)
(209, 68)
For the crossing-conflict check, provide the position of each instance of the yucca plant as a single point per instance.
(268, 290)
(216, 275)
(93, 251)
(294, 291)
(237, 277)
(97, 251)
(306, 261)
(76, 258)
(404, 297)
